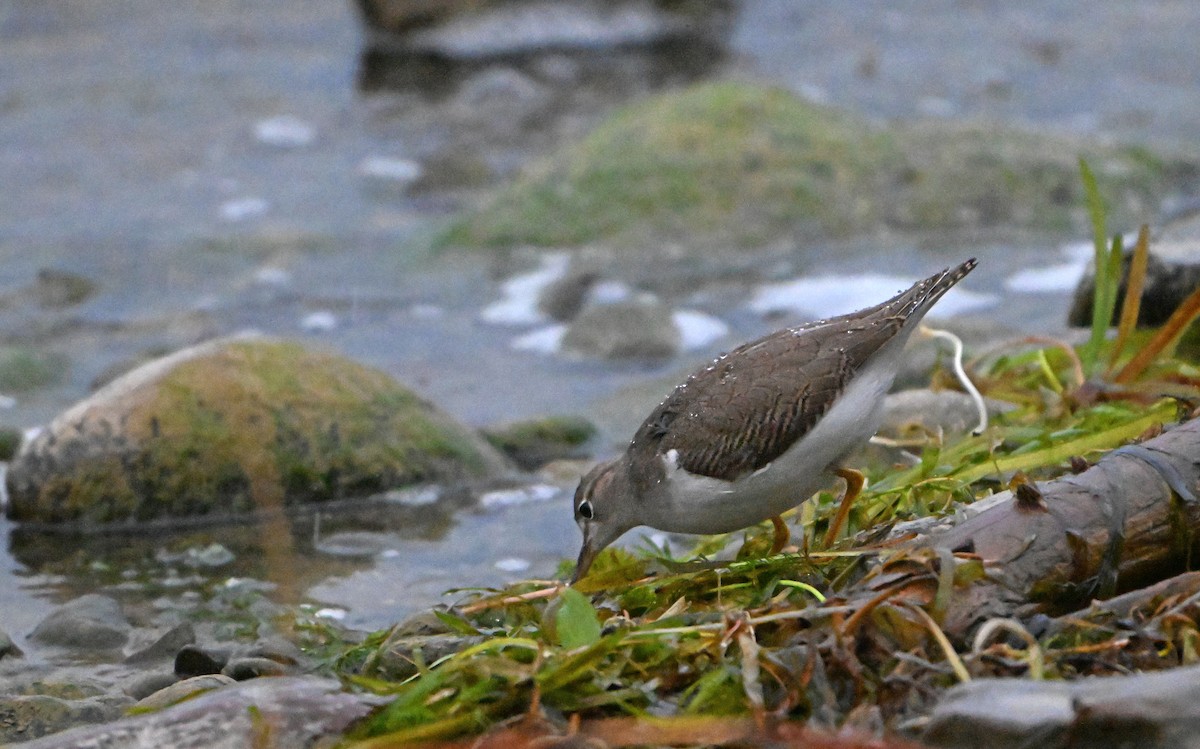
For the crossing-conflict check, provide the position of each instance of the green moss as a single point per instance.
(250, 425)
(742, 164)
(23, 369)
(533, 443)
(692, 160)
(10, 441)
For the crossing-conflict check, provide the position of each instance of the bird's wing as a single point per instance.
(782, 383)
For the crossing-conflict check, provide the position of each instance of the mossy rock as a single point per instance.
(744, 164)
(233, 426)
(532, 444)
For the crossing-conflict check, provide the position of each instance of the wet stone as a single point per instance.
(182, 690)
(144, 685)
(532, 444)
(167, 646)
(220, 428)
(25, 717)
(194, 660)
(277, 649)
(8, 648)
(56, 289)
(241, 669)
(632, 329)
(401, 654)
(923, 411)
(90, 622)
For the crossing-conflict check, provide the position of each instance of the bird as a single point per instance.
(759, 430)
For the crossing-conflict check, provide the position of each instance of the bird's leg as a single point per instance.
(854, 484)
(782, 535)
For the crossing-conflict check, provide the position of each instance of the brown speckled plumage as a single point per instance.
(747, 407)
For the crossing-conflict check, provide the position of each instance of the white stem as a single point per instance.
(961, 374)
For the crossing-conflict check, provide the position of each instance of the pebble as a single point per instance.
(167, 646)
(90, 622)
(241, 669)
(638, 328)
(8, 648)
(195, 660)
(143, 685)
(182, 690)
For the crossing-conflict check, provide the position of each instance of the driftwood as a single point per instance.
(1129, 520)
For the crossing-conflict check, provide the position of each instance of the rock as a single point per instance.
(454, 169)
(565, 298)
(532, 444)
(241, 669)
(56, 289)
(1144, 710)
(165, 647)
(634, 329)
(501, 86)
(235, 425)
(182, 690)
(422, 623)
(90, 622)
(1172, 273)
(926, 411)
(732, 165)
(8, 648)
(194, 660)
(922, 355)
(144, 685)
(278, 650)
(284, 712)
(399, 655)
(29, 716)
(490, 28)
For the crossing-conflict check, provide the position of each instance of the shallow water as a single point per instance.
(221, 164)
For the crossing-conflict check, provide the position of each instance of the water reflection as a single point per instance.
(379, 558)
(292, 548)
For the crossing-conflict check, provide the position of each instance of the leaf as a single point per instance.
(576, 621)
(457, 624)
(562, 672)
(1133, 294)
(1101, 311)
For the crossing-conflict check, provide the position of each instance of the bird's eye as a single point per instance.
(585, 510)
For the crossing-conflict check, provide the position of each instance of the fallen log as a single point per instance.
(1051, 547)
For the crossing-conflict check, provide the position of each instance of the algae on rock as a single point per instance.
(745, 164)
(227, 426)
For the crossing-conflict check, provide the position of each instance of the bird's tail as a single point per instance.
(913, 303)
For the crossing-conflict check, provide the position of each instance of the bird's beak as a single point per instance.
(587, 554)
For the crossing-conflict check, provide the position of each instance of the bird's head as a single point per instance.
(604, 504)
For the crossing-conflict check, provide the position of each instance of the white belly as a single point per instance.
(688, 503)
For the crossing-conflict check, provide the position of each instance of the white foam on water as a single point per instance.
(698, 329)
(518, 304)
(827, 296)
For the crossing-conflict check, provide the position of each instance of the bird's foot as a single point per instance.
(782, 535)
(855, 482)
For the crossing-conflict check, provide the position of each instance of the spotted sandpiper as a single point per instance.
(758, 430)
